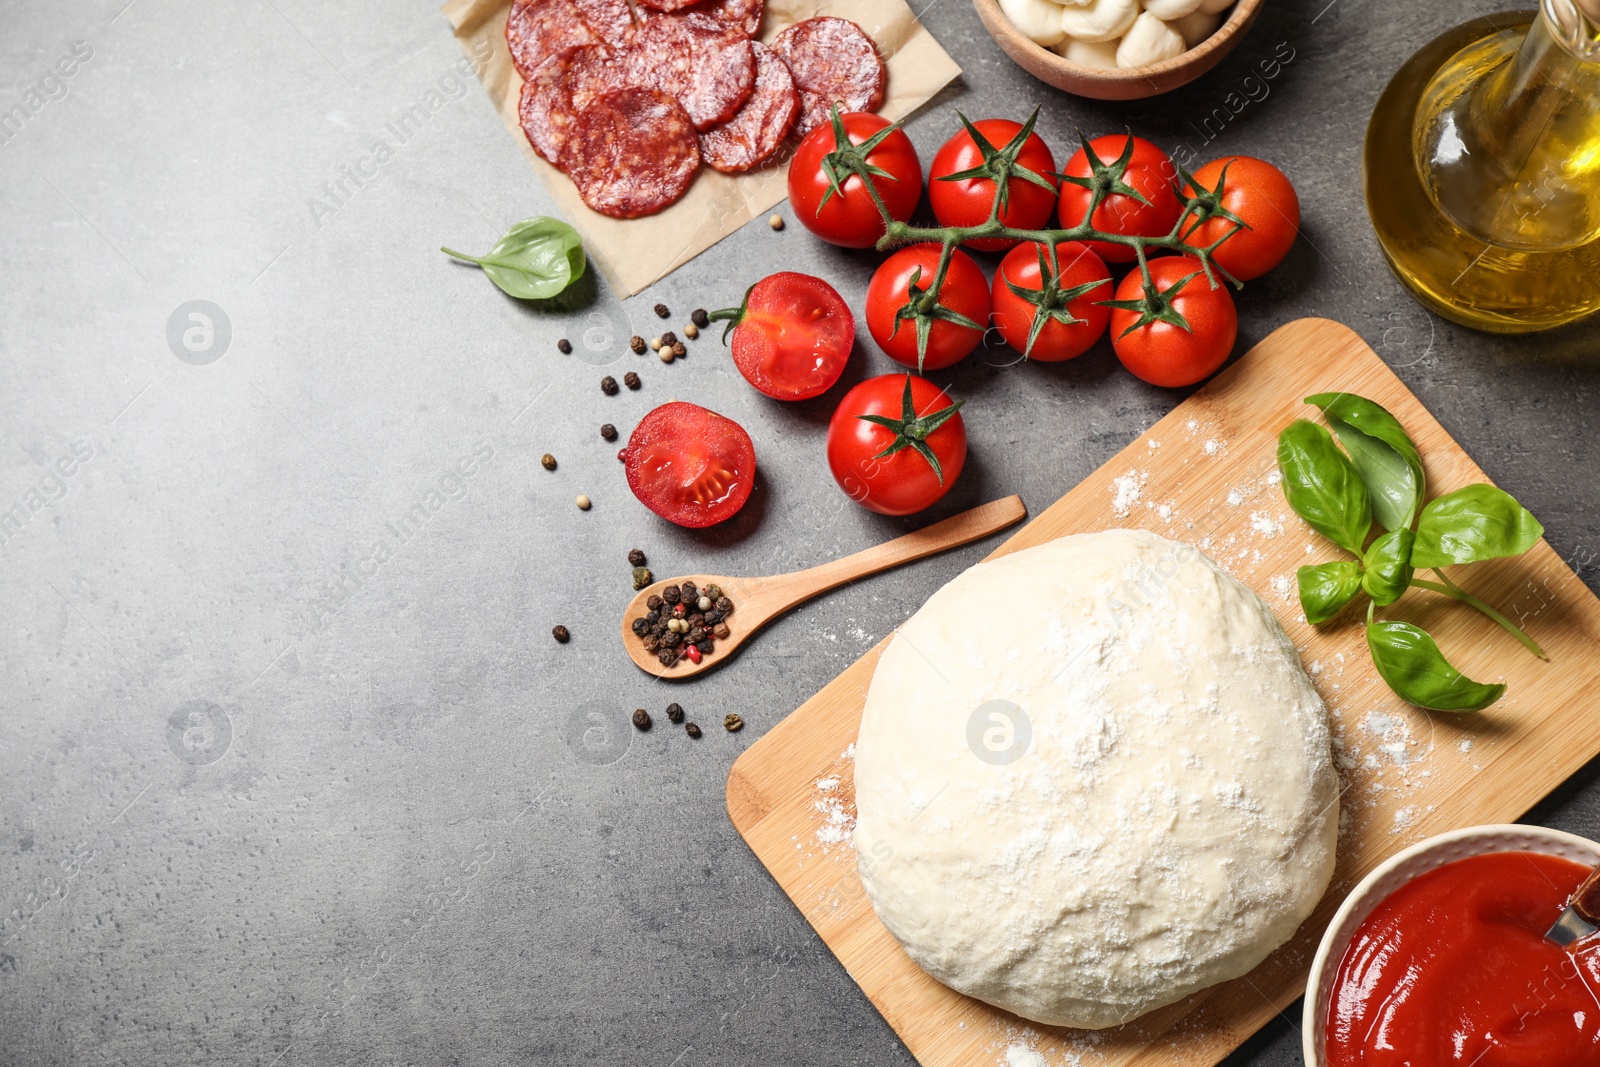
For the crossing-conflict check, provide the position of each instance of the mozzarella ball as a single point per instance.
(1168, 10)
(1087, 53)
(1148, 41)
(1196, 26)
(1039, 20)
(1099, 20)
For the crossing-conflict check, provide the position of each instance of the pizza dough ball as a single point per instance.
(1093, 778)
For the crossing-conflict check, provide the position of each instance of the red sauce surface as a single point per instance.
(1453, 969)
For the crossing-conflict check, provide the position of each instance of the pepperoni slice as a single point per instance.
(710, 69)
(633, 152)
(751, 137)
(545, 109)
(609, 20)
(538, 29)
(668, 5)
(833, 61)
(741, 15)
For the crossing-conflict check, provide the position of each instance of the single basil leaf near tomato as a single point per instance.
(1476, 523)
(535, 260)
(1386, 568)
(1408, 659)
(1382, 452)
(1326, 588)
(1322, 487)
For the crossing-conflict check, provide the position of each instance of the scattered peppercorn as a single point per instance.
(637, 344)
(655, 344)
(678, 350)
(631, 380)
(666, 354)
(699, 317)
(691, 331)
(655, 602)
(608, 431)
(565, 346)
(583, 502)
(669, 338)
(641, 719)
(642, 577)
(561, 634)
(675, 712)
(608, 385)
(730, 722)
(636, 557)
(662, 312)
(547, 461)
(692, 730)
(776, 222)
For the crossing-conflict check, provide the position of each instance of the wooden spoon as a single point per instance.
(757, 601)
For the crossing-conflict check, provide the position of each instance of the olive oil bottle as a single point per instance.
(1482, 169)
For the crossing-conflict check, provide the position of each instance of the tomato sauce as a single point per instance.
(1453, 969)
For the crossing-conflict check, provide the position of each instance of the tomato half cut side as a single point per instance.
(793, 336)
(689, 465)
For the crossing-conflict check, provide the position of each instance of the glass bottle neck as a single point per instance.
(1508, 133)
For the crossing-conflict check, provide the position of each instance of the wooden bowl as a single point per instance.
(1136, 83)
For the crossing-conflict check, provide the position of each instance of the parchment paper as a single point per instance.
(633, 253)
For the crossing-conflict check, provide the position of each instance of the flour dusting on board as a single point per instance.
(838, 821)
(1125, 491)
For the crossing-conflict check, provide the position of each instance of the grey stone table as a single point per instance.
(291, 771)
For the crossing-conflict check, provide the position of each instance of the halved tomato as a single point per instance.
(689, 465)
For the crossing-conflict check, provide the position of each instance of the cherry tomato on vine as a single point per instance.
(849, 217)
(1035, 320)
(1150, 340)
(792, 335)
(896, 444)
(689, 465)
(897, 315)
(988, 158)
(1122, 164)
(1254, 193)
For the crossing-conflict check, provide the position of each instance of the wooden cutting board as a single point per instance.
(1206, 474)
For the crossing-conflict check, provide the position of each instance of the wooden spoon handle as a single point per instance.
(953, 532)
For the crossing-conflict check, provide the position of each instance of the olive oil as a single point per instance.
(1482, 171)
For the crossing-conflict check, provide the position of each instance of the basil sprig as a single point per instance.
(1379, 475)
(535, 260)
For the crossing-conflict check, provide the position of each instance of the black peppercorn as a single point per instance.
(641, 626)
(561, 634)
(671, 594)
(631, 380)
(724, 605)
(706, 647)
(671, 639)
(641, 719)
(608, 431)
(699, 317)
(675, 712)
(651, 642)
(669, 339)
(713, 617)
(608, 386)
(679, 351)
(667, 656)
(564, 346)
(662, 312)
(721, 630)
(692, 730)
(689, 592)
(655, 602)
(547, 461)
(637, 344)
(636, 557)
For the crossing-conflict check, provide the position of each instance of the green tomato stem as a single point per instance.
(1451, 589)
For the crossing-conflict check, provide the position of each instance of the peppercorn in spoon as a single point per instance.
(683, 626)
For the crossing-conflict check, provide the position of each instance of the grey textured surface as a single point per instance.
(287, 780)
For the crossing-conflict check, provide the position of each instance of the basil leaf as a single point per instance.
(1322, 487)
(1382, 452)
(1476, 523)
(1417, 671)
(1387, 566)
(1326, 588)
(535, 260)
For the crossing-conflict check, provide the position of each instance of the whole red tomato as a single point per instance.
(1262, 198)
(1159, 350)
(1148, 172)
(689, 465)
(1058, 314)
(792, 336)
(964, 295)
(966, 175)
(850, 218)
(896, 444)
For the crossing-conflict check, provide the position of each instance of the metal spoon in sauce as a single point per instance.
(1582, 917)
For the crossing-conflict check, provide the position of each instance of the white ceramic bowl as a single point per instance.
(1396, 872)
